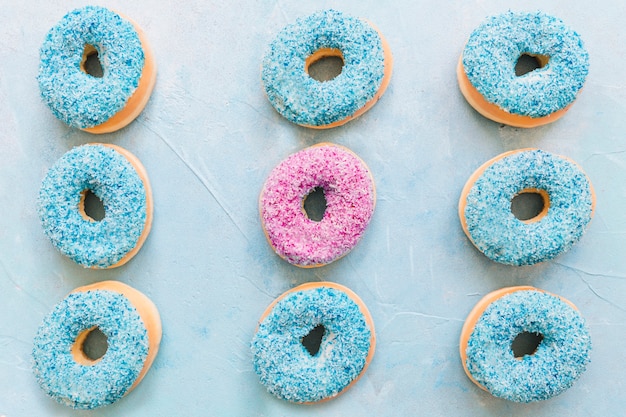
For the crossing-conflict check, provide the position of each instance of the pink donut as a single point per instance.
(350, 199)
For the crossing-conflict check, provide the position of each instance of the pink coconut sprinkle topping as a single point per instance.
(350, 200)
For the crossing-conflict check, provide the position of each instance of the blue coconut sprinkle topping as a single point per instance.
(75, 97)
(303, 100)
(114, 180)
(285, 366)
(90, 386)
(495, 230)
(494, 47)
(561, 357)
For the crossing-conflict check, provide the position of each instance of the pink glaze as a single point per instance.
(350, 200)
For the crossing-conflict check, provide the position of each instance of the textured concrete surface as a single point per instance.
(208, 139)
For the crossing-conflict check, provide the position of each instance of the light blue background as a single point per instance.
(208, 139)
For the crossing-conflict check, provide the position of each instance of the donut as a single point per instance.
(485, 206)
(132, 326)
(300, 374)
(120, 181)
(92, 103)
(350, 199)
(561, 337)
(366, 71)
(487, 77)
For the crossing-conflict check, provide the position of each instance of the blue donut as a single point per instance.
(119, 180)
(287, 368)
(485, 206)
(308, 102)
(560, 358)
(487, 68)
(132, 327)
(85, 101)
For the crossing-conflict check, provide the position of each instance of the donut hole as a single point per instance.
(324, 64)
(530, 205)
(314, 204)
(90, 346)
(529, 62)
(91, 207)
(90, 64)
(313, 340)
(526, 343)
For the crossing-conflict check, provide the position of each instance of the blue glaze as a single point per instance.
(561, 357)
(284, 365)
(79, 99)
(303, 100)
(497, 233)
(81, 386)
(114, 180)
(494, 47)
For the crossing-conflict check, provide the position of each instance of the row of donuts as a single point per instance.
(98, 343)
(343, 176)
(521, 343)
(316, 340)
(124, 72)
(555, 342)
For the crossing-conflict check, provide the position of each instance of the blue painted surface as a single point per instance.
(208, 139)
